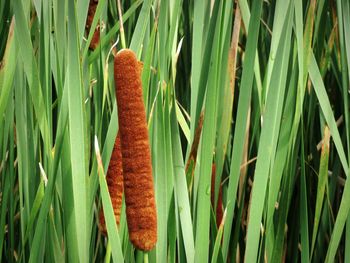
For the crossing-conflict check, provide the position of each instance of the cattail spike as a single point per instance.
(219, 208)
(137, 170)
(114, 179)
(90, 17)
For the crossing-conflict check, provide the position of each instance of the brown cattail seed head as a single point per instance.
(137, 170)
(114, 179)
(90, 17)
(219, 207)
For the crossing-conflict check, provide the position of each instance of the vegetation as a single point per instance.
(257, 91)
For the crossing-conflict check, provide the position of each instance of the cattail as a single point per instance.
(219, 209)
(194, 148)
(137, 169)
(114, 179)
(90, 17)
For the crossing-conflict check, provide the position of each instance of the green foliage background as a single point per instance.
(271, 79)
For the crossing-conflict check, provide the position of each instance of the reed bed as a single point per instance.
(234, 134)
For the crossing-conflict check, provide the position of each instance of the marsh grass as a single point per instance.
(270, 92)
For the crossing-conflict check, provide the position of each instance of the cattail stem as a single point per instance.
(121, 30)
(108, 252)
(137, 170)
